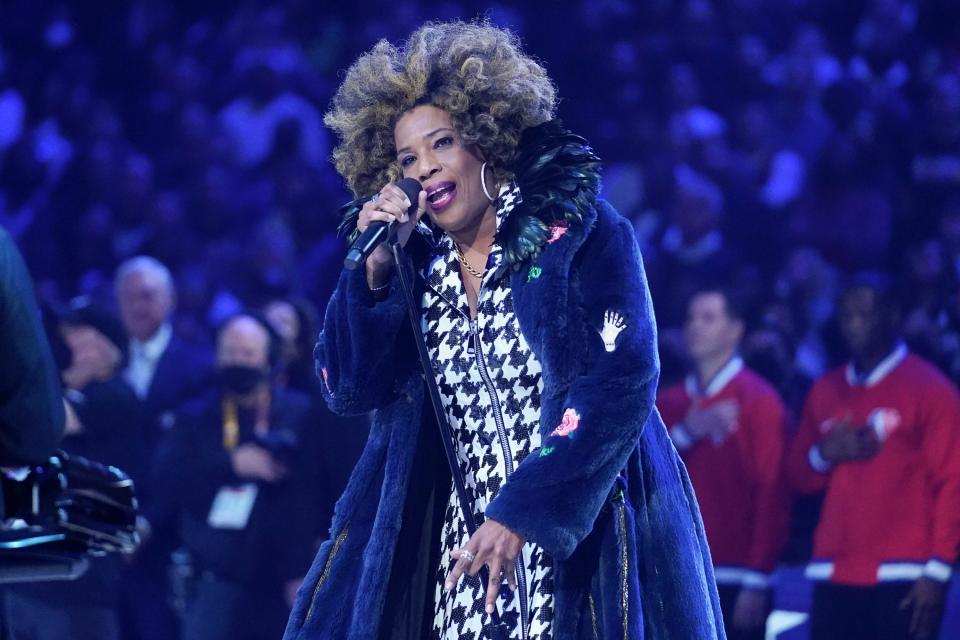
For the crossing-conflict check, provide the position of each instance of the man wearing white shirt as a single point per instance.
(145, 294)
(144, 358)
(165, 372)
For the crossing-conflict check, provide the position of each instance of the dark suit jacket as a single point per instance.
(193, 466)
(31, 408)
(182, 374)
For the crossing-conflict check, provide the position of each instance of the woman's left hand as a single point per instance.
(493, 545)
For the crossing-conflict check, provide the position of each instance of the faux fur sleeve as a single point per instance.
(556, 493)
(356, 351)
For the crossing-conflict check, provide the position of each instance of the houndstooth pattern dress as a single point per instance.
(490, 385)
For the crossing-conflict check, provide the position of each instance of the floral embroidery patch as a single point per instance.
(613, 324)
(570, 423)
(544, 452)
(534, 273)
(556, 231)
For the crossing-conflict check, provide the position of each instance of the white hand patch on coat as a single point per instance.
(613, 324)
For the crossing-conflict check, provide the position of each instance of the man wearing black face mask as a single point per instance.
(235, 474)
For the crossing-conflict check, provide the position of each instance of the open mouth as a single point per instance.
(441, 195)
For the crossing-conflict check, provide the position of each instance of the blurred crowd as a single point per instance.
(778, 146)
(784, 143)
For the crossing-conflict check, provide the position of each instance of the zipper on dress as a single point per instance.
(508, 462)
(494, 399)
(474, 349)
(341, 537)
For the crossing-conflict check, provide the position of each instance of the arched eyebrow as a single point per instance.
(428, 135)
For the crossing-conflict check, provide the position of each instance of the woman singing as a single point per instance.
(537, 318)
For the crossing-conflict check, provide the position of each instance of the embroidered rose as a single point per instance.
(556, 232)
(570, 423)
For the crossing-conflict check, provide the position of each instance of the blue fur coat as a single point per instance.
(610, 500)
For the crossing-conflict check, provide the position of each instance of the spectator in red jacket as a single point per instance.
(880, 436)
(728, 424)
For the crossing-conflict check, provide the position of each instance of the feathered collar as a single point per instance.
(558, 175)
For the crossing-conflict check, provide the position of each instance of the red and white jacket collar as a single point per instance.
(881, 371)
(718, 382)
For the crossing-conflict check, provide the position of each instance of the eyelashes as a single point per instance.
(440, 143)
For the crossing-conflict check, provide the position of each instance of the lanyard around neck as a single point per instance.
(231, 421)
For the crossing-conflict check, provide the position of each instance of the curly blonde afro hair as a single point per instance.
(474, 71)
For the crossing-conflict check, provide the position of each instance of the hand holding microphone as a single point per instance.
(397, 208)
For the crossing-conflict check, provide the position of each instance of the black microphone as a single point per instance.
(378, 230)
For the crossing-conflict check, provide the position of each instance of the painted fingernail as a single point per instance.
(489, 608)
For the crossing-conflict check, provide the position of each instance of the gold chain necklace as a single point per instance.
(467, 265)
